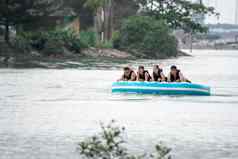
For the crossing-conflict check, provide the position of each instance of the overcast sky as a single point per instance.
(226, 8)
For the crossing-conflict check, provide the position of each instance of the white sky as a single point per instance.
(226, 8)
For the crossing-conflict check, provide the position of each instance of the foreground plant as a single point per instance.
(110, 144)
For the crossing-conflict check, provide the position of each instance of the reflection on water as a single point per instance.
(45, 112)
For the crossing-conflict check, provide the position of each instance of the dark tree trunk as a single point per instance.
(108, 20)
(6, 36)
(98, 24)
(105, 23)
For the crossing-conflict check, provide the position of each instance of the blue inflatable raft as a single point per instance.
(161, 88)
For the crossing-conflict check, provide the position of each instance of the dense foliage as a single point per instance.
(146, 37)
(177, 13)
(88, 38)
(147, 33)
(48, 43)
(114, 11)
(122, 9)
(16, 12)
(110, 144)
(56, 42)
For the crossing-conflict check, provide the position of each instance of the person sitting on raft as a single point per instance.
(175, 75)
(158, 75)
(128, 75)
(143, 75)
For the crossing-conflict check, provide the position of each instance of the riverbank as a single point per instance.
(10, 58)
(65, 60)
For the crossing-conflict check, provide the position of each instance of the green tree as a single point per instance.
(177, 13)
(85, 13)
(102, 8)
(90, 12)
(114, 11)
(16, 12)
(94, 4)
(146, 37)
(87, 9)
(122, 10)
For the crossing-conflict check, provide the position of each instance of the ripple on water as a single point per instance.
(44, 113)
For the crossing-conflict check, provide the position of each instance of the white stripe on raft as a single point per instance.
(160, 88)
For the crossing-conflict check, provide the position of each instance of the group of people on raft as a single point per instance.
(157, 75)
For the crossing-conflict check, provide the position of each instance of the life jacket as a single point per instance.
(157, 76)
(142, 77)
(174, 79)
(127, 78)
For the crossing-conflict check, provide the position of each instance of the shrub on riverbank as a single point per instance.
(146, 37)
(47, 43)
(141, 36)
(55, 42)
(110, 144)
(88, 39)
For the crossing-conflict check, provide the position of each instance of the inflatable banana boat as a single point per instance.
(161, 88)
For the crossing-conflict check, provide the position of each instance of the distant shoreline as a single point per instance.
(213, 47)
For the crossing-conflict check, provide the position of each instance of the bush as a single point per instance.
(67, 38)
(22, 44)
(146, 36)
(53, 47)
(105, 45)
(109, 144)
(35, 40)
(116, 40)
(51, 42)
(88, 39)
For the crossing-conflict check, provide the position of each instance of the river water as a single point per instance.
(45, 113)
